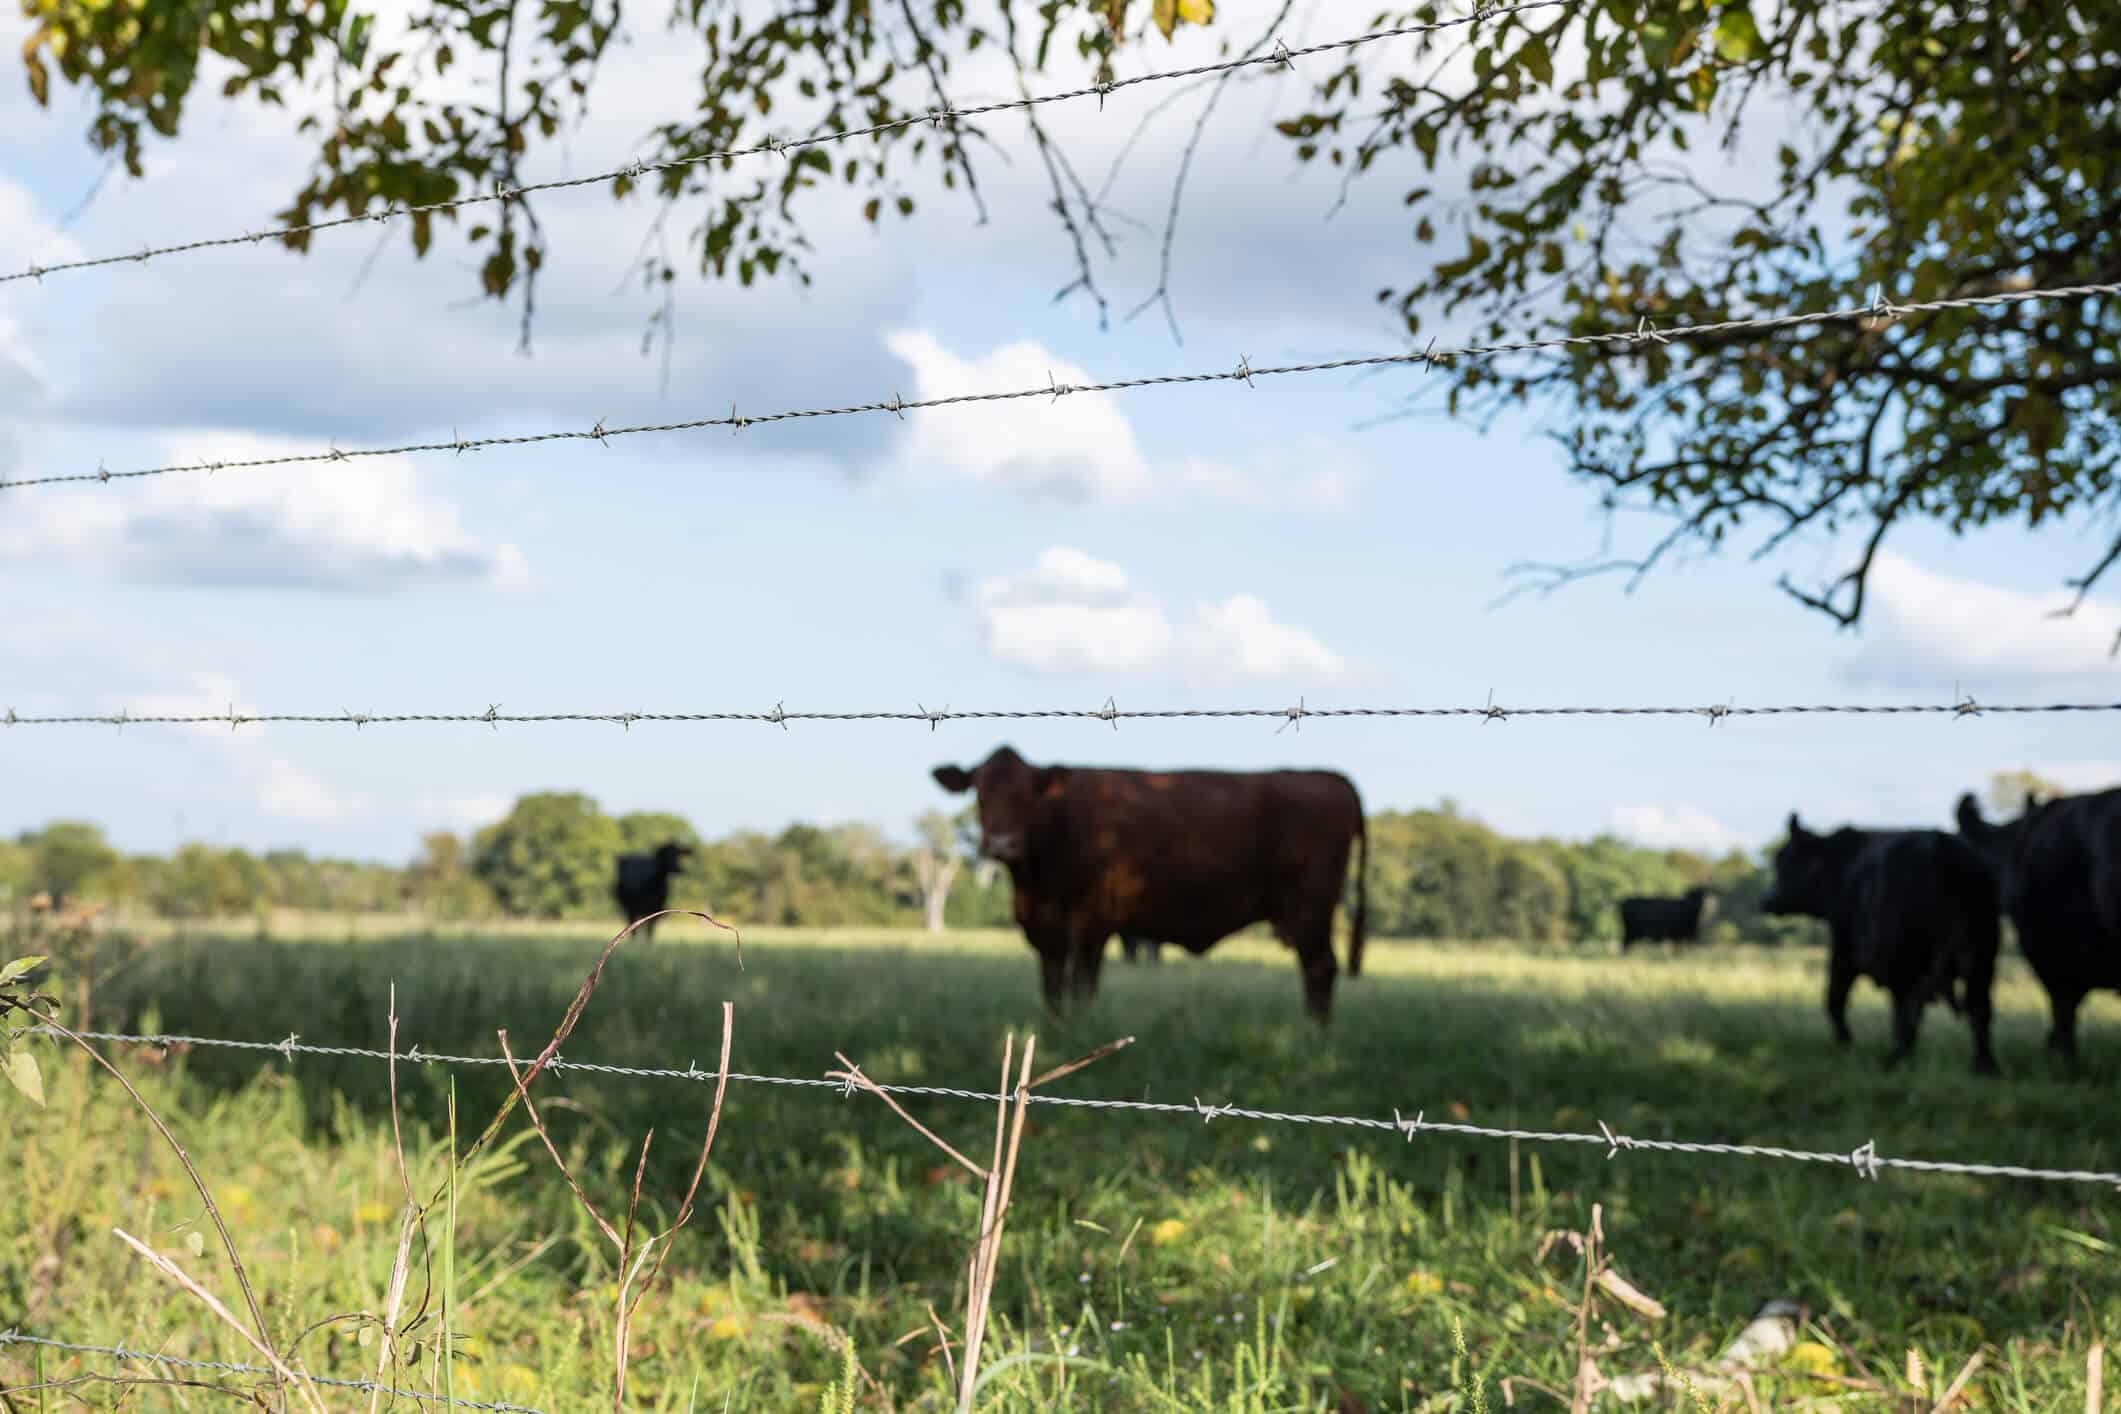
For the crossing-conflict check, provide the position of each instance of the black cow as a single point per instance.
(1913, 910)
(1130, 944)
(1651, 919)
(643, 885)
(1187, 857)
(2059, 869)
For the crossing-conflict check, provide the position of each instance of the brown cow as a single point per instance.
(1186, 857)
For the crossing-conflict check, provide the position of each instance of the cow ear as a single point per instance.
(1795, 829)
(952, 778)
(2030, 801)
(1051, 780)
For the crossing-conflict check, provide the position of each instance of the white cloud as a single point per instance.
(370, 524)
(26, 235)
(1924, 629)
(1680, 826)
(1238, 640)
(459, 812)
(1074, 614)
(286, 791)
(1070, 614)
(278, 788)
(1080, 447)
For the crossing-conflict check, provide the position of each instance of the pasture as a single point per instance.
(1151, 1261)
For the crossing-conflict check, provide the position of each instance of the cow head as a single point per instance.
(669, 858)
(1805, 870)
(1008, 789)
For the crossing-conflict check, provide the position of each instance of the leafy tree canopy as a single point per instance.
(1576, 168)
(68, 856)
(550, 857)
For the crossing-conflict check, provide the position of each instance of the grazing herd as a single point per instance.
(1187, 858)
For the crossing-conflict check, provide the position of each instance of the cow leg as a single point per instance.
(1153, 950)
(1086, 961)
(1979, 977)
(1840, 977)
(2062, 1035)
(1127, 946)
(1319, 971)
(1313, 944)
(1907, 1022)
(1053, 973)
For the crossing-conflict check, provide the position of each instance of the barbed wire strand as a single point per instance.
(1280, 57)
(1865, 1159)
(118, 1352)
(1245, 372)
(1489, 712)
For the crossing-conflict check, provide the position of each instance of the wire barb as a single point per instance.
(1865, 1160)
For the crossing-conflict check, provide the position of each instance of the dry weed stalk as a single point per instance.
(2095, 1379)
(632, 1258)
(261, 1338)
(997, 1180)
(221, 1313)
(1958, 1385)
(1586, 1382)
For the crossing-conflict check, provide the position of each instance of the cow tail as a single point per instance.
(1362, 898)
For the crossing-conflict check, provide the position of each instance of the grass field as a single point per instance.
(1151, 1261)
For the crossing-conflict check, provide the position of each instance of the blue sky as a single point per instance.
(1167, 548)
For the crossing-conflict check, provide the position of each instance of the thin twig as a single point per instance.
(538, 1124)
(852, 1075)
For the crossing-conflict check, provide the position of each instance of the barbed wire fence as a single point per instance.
(230, 1367)
(1877, 307)
(1491, 711)
(1864, 1160)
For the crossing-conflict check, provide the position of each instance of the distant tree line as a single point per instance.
(1434, 873)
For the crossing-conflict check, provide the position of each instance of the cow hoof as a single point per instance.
(1986, 1065)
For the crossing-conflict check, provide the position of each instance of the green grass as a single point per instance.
(1151, 1262)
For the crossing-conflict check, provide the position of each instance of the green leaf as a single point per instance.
(1165, 14)
(21, 1071)
(1534, 57)
(18, 968)
(1657, 41)
(1737, 37)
